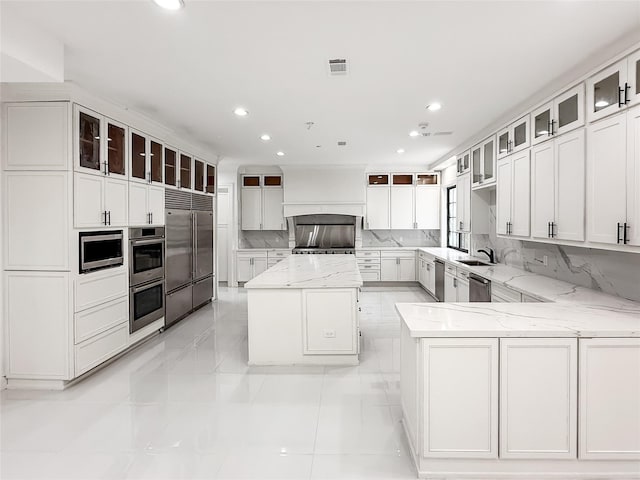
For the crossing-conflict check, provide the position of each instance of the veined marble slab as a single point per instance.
(310, 271)
(518, 320)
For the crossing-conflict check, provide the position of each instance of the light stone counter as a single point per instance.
(310, 271)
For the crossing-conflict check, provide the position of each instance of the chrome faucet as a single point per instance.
(489, 253)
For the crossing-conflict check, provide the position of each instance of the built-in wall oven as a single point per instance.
(101, 249)
(146, 276)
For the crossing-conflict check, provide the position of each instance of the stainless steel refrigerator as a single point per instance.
(189, 253)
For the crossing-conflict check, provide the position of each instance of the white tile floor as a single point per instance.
(185, 405)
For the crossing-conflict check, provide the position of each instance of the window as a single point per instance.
(455, 239)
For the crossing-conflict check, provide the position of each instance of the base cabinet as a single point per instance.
(250, 265)
(460, 398)
(329, 325)
(398, 266)
(538, 397)
(610, 398)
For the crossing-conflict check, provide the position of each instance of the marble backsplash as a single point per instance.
(400, 238)
(612, 272)
(263, 239)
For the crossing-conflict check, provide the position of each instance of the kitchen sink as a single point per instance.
(475, 263)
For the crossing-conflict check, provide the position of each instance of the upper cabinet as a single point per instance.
(561, 115)
(463, 162)
(198, 175)
(146, 160)
(378, 202)
(184, 179)
(614, 88)
(101, 146)
(513, 203)
(514, 137)
(483, 163)
(211, 179)
(171, 166)
(261, 198)
(156, 170)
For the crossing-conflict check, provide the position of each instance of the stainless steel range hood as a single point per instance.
(325, 231)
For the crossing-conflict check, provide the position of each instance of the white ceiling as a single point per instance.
(191, 68)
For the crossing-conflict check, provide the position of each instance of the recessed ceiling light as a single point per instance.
(434, 106)
(280, 154)
(169, 4)
(265, 137)
(414, 133)
(241, 112)
(602, 103)
(400, 150)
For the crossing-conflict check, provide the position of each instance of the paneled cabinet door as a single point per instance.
(388, 269)
(427, 207)
(538, 397)
(609, 399)
(259, 265)
(245, 269)
(422, 273)
(116, 195)
(460, 397)
(633, 174)
(88, 208)
(633, 75)
(450, 288)
(138, 157)
(521, 203)
(116, 148)
(607, 179)
(463, 212)
(272, 210)
(542, 190)
(378, 208)
(251, 208)
(606, 91)
(431, 277)
(462, 290)
(407, 269)
(570, 165)
(503, 197)
(155, 204)
(568, 111)
(138, 208)
(88, 126)
(402, 208)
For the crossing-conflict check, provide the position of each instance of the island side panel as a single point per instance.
(409, 385)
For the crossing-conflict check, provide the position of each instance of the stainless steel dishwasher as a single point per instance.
(439, 280)
(479, 289)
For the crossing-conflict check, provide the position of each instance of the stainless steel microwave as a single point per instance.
(98, 250)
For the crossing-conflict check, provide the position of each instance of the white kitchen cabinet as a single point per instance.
(503, 294)
(50, 121)
(261, 198)
(250, 264)
(450, 287)
(36, 220)
(563, 114)
(613, 174)
(369, 265)
(614, 88)
(100, 201)
(463, 202)
(558, 188)
(272, 209)
(146, 204)
(378, 207)
(330, 321)
(398, 266)
(276, 256)
(430, 276)
(100, 348)
(427, 207)
(513, 138)
(402, 207)
(462, 285)
(538, 398)
(483, 163)
(609, 405)
(463, 162)
(513, 202)
(460, 398)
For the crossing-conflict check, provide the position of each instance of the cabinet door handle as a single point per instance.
(548, 229)
(553, 229)
(621, 102)
(627, 87)
(624, 235)
(618, 239)
(109, 216)
(106, 168)
(455, 283)
(151, 218)
(105, 217)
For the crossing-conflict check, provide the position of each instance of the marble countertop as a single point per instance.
(270, 249)
(310, 271)
(518, 320)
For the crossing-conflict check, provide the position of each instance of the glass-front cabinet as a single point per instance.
(614, 88)
(514, 137)
(185, 171)
(561, 115)
(211, 179)
(170, 160)
(100, 143)
(198, 178)
(138, 161)
(463, 162)
(156, 164)
(483, 163)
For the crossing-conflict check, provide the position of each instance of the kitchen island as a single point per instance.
(304, 310)
(513, 390)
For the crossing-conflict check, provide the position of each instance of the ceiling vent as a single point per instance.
(338, 66)
(442, 133)
(342, 144)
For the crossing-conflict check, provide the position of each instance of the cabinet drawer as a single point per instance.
(101, 348)
(368, 253)
(398, 254)
(92, 289)
(368, 261)
(368, 268)
(464, 274)
(530, 299)
(370, 275)
(506, 294)
(96, 320)
(278, 255)
(257, 254)
(450, 269)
